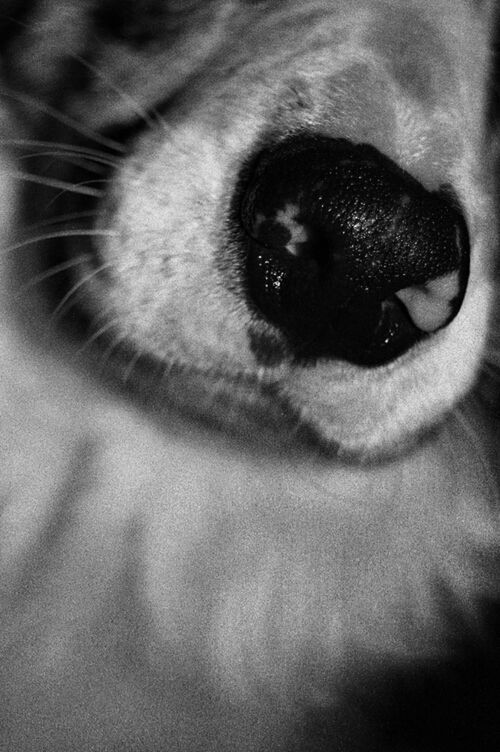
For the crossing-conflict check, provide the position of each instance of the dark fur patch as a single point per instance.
(13, 19)
(139, 22)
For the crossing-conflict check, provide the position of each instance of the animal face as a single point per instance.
(302, 219)
(305, 220)
(277, 219)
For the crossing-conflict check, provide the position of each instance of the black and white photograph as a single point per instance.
(249, 376)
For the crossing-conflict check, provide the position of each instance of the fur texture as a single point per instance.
(205, 544)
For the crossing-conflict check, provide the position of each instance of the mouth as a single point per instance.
(344, 253)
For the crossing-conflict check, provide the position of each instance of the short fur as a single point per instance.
(200, 550)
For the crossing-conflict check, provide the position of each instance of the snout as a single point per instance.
(345, 253)
(299, 226)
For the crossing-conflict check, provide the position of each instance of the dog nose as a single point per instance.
(347, 254)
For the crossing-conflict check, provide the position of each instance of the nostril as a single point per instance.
(347, 254)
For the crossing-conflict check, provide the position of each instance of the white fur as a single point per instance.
(166, 586)
(170, 297)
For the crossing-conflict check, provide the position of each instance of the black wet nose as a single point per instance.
(347, 254)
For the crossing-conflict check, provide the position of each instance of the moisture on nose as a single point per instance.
(347, 254)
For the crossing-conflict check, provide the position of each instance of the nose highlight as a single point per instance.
(346, 253)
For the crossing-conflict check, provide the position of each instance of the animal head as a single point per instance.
(298, 230)
(277, 216)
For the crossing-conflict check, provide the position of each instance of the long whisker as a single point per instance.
(52, 272)
(60, 309)
(61, 234)
(127, 372)
(97, 334)
(60, 117)
(80, 188)
(112, 86)
(82, 160)
(80, 183)
(60, 219)
(61, 145)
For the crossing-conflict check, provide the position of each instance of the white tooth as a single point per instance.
(429, 305)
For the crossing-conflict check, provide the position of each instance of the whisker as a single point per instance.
(124, 95)
(107, 327)
(63, 185)
(82, 182)
(79, 160)
(106, 355)
(60, 117)
(61, 234)
(61, 308)
(52, 272)
(62, 146)
(127, 372)
(60, 219)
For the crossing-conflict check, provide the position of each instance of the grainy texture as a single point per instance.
(207, 543)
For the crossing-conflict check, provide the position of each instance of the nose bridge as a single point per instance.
(414, 51)
(377, 73)
(406, 43)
